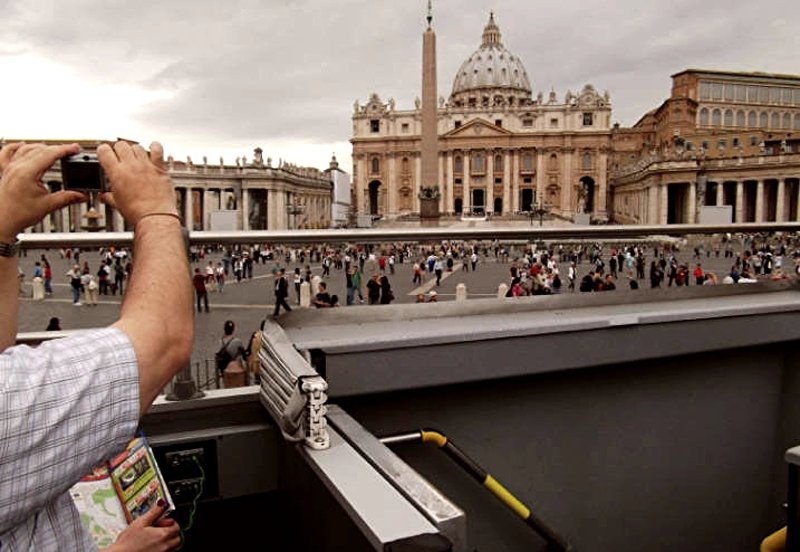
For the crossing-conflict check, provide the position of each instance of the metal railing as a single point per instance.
(388, 235)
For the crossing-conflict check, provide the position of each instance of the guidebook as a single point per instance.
(116, 493)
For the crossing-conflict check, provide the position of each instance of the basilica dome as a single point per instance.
(492, 75)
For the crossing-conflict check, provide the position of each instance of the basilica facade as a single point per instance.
(501, 150)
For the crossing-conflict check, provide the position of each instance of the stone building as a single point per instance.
(501, 151)
(721, 139)
(249, 195)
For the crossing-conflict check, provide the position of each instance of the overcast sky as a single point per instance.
(220, 78)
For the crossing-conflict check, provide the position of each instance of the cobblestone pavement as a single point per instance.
(249, 301)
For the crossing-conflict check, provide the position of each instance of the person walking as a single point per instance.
(199, 283)
(297, 281)
(281, 292)
(374, 290)
(387, 296)
(74, 276)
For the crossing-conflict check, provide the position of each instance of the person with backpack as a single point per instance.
(231, 349)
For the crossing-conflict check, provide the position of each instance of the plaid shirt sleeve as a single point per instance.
(65, 406)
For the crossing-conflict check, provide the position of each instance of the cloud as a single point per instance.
(287, 71)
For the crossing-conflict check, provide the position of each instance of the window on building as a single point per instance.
(498, 122)
(705, 91)
(527, 122)
(735, 142)
(716, 117)
(689, 146)
(458, 164)
(498, 163)
(457, 124)
(754, 140)
(716, 91)
(729, 92)
(774, 95)
(527, 180)
(376, 165)
(763, 94)
(374, 125)
(553, 123)
(741, 93)
(586, 161)
(553, 162)
(472, 102)
(787, 121)
(458, 181)
(740, 118)
(404, 128)
(527, 162)
(728, 118)
(752, 119)
(722, 144)
(588, 119)
(796, 96)
(763, 120)
(405, 165)
(498, 180)
(705, 144)
(478, 164)
(797, 121)
(704, 117)
(776, 121)
(786, 96)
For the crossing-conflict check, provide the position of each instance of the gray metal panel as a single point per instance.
(445, 515)
(383, 515)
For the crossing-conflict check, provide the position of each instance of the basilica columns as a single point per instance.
(392, 185)
(739, 201)
(507, 207)
(515, 181)
(489, 201)
(780, 206)
(760, 201)
(440, 182)
(450, 200)
(540, 177)
(467, 200)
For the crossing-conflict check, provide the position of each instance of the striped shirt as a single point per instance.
(65, 406)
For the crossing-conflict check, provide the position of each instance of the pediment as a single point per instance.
(478, 128)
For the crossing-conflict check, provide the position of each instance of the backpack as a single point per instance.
(222, 357)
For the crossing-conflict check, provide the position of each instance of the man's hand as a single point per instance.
(139, 182)
(24, 200)
(146, 534)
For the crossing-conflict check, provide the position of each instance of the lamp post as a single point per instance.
(539, 209)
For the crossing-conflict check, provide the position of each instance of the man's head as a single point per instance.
(323, 287)
(229, 327)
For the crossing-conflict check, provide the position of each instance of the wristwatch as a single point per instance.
(9, 249)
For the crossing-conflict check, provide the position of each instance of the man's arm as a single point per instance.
(24, 201)
(157, 309)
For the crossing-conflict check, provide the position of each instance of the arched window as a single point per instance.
(376, 165)
(728, 118)
(776, 120)
(763, 120)
(404, 165)
(704, 117)
(716, 118)
(553, 162)
(458, 164)
(478, 165)
(787, 121)
(797, 121)
(498, 164)
(586, 161)
(752, 119)
(740, 119)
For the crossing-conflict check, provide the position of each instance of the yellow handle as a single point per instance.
(776, 542)
(508, 499)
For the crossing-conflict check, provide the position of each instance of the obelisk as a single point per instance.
(429, 200)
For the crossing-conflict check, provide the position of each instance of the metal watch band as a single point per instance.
(9, 249)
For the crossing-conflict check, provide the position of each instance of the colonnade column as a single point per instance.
(449, 201)
(540, 177)
(489, 182)
(188, 207)
(118, 222)
(760, 201)
(360, 182)
(507, 182)
(602, 198)
(466, 202)
(514, 181)
(664, 201)
(780, 204)
(652, 201)
(205, 216)
(566, 184)
(720, 193)
(691, 211)
(739, 201)
(245, 209)
(392, 185)
(440, 181)
(272, 218)
(417, 181)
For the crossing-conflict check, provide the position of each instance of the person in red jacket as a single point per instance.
(699, 277)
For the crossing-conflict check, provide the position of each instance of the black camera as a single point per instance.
(83, 172)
